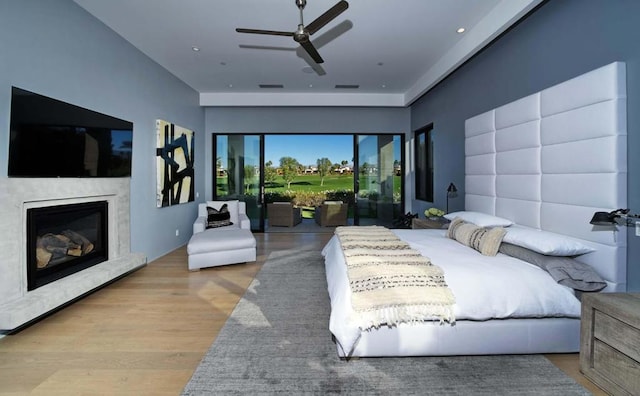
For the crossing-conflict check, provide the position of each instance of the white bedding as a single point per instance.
(484, 287)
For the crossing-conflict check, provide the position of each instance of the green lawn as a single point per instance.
(311, 183)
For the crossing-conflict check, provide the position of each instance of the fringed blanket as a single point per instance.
(392, 283)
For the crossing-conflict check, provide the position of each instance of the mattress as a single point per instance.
(489, 291)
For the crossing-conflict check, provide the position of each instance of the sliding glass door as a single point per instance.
(238, 172)
(378, 183)
(380, 179)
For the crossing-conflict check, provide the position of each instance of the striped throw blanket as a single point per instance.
(392, 283)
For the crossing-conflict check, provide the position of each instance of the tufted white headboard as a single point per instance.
(551, 159)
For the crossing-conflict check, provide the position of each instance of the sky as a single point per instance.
(307, 149)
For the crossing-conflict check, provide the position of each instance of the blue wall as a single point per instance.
(561, 40)
(57, 49)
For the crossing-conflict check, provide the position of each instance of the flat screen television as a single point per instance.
(51, 138)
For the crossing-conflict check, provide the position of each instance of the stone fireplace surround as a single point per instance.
(19, 306)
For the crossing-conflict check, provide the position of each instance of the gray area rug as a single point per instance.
(277, 341)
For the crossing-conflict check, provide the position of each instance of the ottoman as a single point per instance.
(221, 246)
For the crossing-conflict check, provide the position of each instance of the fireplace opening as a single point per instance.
(65, 239)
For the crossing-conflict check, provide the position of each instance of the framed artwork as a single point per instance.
(174, 159)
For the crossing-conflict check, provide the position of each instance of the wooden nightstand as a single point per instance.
(428, 223)
(610, 341)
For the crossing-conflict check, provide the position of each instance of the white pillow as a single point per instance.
(545, 242)
(480, 219)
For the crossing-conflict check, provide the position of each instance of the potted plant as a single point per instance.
(434, 214)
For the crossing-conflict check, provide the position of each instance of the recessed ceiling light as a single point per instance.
(223, 63)
(230, 85)
(380, 63)
(310, 85)
(196, 49)
(384, 85)
(460, 30)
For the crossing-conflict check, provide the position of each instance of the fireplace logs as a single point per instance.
(55, 248)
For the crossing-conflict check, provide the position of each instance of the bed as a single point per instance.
(544, 163)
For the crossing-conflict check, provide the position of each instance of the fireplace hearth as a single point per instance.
(65, 239)
(109, 258)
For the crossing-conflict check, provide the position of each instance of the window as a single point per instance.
(423, 155)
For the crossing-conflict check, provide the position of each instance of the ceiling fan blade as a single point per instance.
(270, 32)
(327, 17)
(311, 50)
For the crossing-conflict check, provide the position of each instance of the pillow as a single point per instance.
(484, 240)
(218, 218)
(480, 219)
(564, 270)
(546, 242)
(232, 205)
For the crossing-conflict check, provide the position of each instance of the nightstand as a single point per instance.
(428, 223)
(610, 341)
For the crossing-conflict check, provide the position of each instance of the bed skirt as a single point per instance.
(491, 337)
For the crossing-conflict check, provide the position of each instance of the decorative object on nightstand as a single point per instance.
(452, 192)
(434, 213)
(610, 341)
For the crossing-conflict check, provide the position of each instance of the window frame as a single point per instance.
(423, 160)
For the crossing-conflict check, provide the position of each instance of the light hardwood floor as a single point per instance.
(146, 333)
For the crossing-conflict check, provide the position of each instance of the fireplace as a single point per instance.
(65, 239)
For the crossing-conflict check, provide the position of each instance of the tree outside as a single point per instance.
(289, 167)
(324, 167)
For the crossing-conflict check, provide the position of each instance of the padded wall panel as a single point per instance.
(602, 190)
(604, 260)
(518, 112)
(520, 211)
(481, 185)
(597, 120)
(599, 85)
(601, 155)
(525, 162)
(573, 220)
(519, 136)
(480, 165)
(480, 203)
(560, 155)
(480, 144)
(525, 187)
(480, 124)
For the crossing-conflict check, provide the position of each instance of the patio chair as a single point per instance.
(331, 214)
(283, 214)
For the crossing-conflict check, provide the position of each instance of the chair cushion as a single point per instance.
(215, 239)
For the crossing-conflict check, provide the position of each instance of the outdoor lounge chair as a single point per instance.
(283, 214)
(331, 214)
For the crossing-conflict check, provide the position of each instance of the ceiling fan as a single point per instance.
(301, 35)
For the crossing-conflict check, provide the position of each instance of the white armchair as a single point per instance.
(232, 244)
(237, 210)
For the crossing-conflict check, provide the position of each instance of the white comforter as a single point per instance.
(484, 287)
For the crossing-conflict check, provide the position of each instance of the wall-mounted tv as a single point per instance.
(51, 138)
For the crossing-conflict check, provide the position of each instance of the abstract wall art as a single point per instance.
(174, 158)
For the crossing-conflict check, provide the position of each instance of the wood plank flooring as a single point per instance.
(146, 333)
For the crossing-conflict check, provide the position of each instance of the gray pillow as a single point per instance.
(565, 270)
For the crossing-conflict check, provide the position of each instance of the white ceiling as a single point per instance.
(393, 50)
